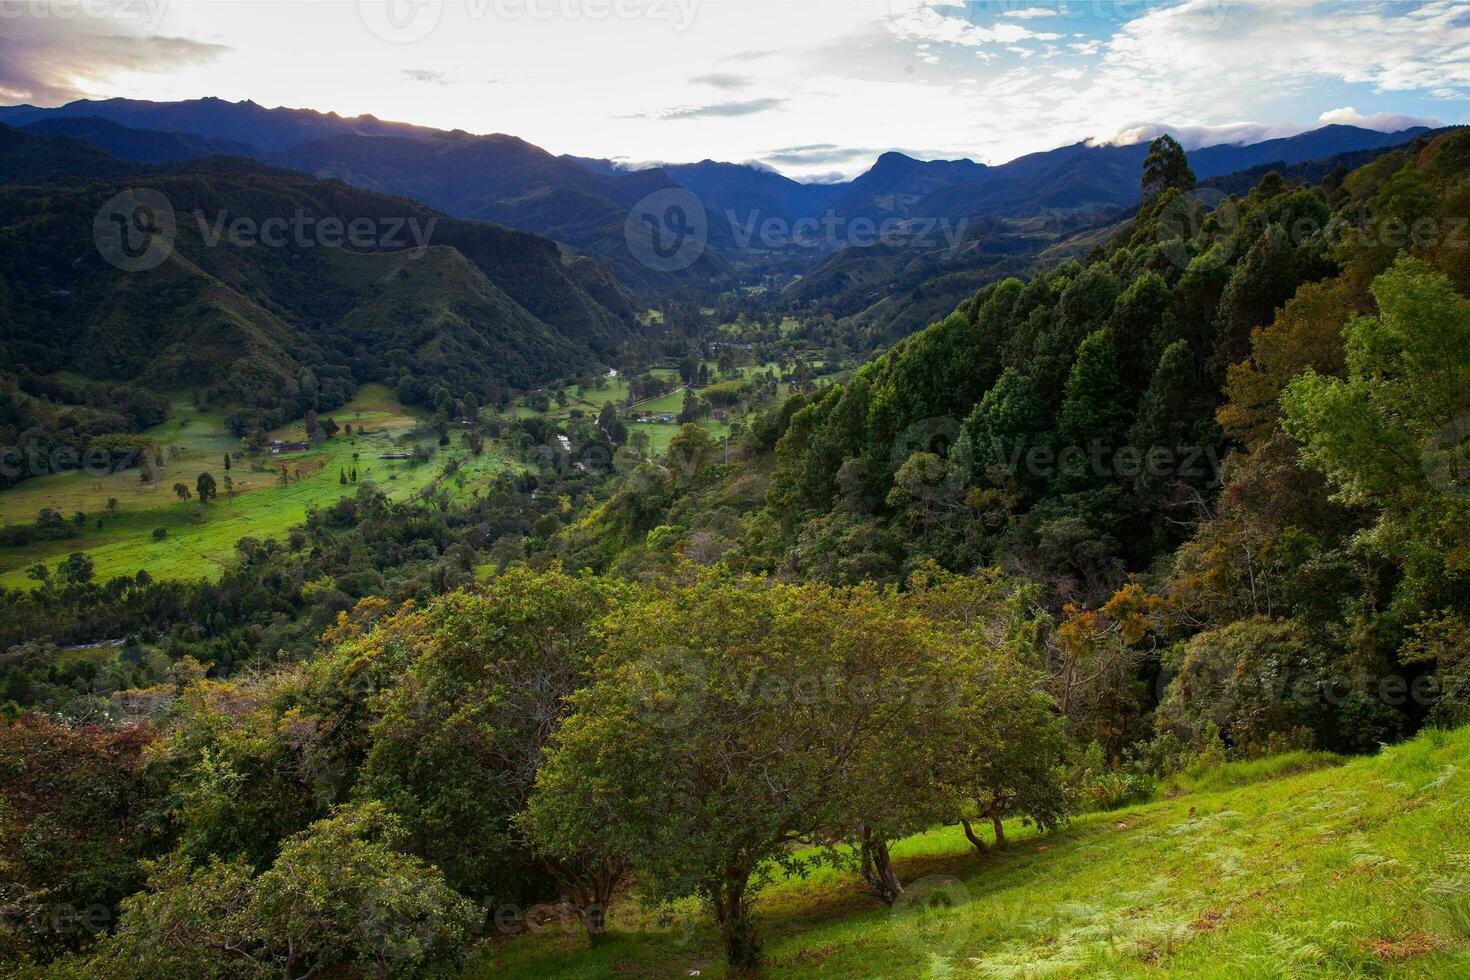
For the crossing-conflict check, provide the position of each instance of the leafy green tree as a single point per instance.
(233, 776)
(611, 426)
(455, 744)
(772, 716)
(1253, 682)
(690, 451)
(694, 407)
(1165, 167)
(1173, 426)
(1003, 742)
(204, 488)
(1141, 323)
(339, 897)
(76, 568)
(1096, 404)
(1007, 424)
(1392, 436)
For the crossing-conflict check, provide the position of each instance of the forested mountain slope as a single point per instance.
(140, 145)
(282, 318)
(33, 158)
(1235, 427)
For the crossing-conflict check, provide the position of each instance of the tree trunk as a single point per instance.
(591, 891)
(1000, 834)
(596, 897)
(737, 926)
(973, 837)
(878, 866)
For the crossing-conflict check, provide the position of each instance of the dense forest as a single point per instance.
(1196, 496)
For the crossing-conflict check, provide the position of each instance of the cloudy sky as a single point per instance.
(812, 89)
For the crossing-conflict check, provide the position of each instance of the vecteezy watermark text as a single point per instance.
(832, 230)
(136, 230)
(147, 13)
(408, 21)
(669, 230)
(302, 230)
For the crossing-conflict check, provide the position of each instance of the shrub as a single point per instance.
(338, 897)
(77, 812)
(1116, 789)
(1257, 681)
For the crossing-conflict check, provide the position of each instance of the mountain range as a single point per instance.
(582, 202)
(529, 275)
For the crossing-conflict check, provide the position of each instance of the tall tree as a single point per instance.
(1394, 436)
(1096, 404)
(1165, 167)
(456, 746)
(762, 735)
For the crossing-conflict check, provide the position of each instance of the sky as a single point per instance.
(814, 90)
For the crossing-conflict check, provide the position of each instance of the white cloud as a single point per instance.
(1028, 13)
(50, 54)
(721, 79)
(1387, 122)
(1200, 44)
(926, 23)
(1192, 137)
(747, 108)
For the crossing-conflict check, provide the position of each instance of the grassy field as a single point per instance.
(199, 539)
(1296, 866)
(591, 400)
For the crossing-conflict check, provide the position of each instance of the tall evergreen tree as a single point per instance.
(1166, 166)
(1095, 404)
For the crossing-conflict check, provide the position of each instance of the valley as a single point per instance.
(198, 539)
(994, 503)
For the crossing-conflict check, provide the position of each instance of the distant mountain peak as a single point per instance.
(894, 156)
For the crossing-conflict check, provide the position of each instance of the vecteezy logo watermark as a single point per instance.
(400, 21)
(135, 229)
(1209, 222)
(929, 918)
(667, 230)
(939, 437)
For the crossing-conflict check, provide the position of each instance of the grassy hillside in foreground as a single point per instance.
(1290, 867)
